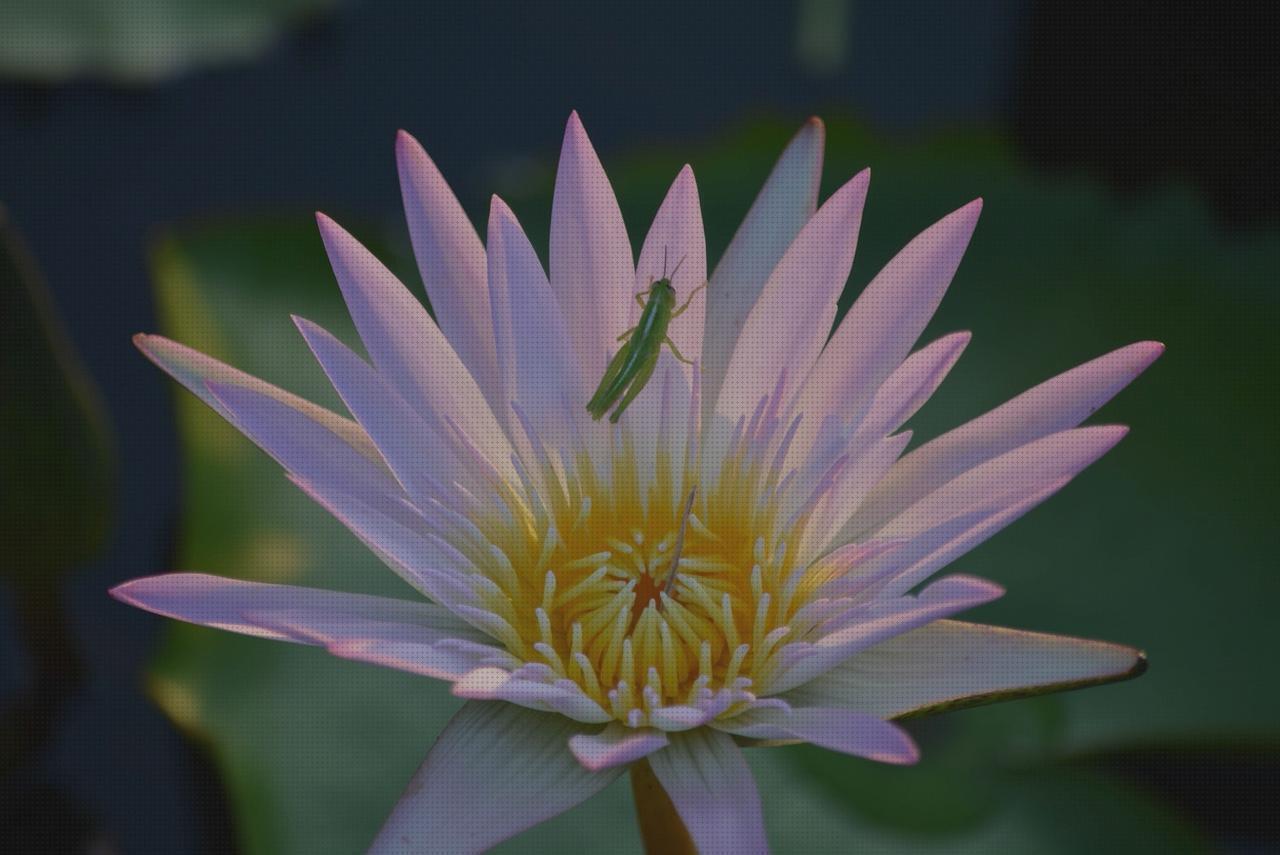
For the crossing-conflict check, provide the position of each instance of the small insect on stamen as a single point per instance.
(632, 366)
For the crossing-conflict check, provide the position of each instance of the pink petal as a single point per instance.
(834, 728)
(451, 260)
(676, 237)
(289, 613)
(785, 204)
(712, 788)
(880, 620)
(539, 364)
(591, 265)
(1056, 405)
(883, 324)
(425, 463)
(789, 324)
(494, 771)
(195, 370)
(615, 746)
(950, 664)
(406, 346)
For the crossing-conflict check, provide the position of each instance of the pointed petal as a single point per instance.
(712, 788)
(879, 620)
(406, 345)
(562, 696)
(289, 613)
(1056, 405)
(785, 204)
(1017, 480)
(425, 464)
(883, 324)
(912, 384)
(835, 728)
(591, 264)
(616, 746)
(395, 534)
(195, 370)
(951, 665)
(494, 771)
(539, 363)
(451, 260)
(300, 444)
(789, 324)
(677, 237)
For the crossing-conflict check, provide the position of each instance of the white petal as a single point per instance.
(785, 204)
(616, 745)
(711, 787)
(494, 771)
(1016, 480)
(423, 461)
(834, 728)
(950, 664)
(676, 237)
(591, 265)
(195, 371)
(289, 613)
(406, 345)
(562, 696)
(395, 534)
(299, 443)
(883, 325)
(912, 384)
(539, 362)
(451, 260)
(1056, 405)
(450, 659)
(789, 324)
(880, 620)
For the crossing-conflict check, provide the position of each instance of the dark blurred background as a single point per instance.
(158, 163)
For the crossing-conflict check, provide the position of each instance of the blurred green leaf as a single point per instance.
(55, 491)
(137, 41)
(1165, 544)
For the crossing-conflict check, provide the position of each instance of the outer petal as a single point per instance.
(195, 371)
(789, 324)
(1033, 472)
(616, 745)
(951, 664)
(1056, 405)
(883, 325)
(494, 771)
(834, 728)
(289, 613)
(711, 786)
(451, 260)
(677, 237)
(785, 204)
(407, 347)
(591, 265)
(300, 444)
(423, 461)
(538, 360)
(874, 623)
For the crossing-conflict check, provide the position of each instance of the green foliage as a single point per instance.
(1165, 544)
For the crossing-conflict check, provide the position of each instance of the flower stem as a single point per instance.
(660, 826)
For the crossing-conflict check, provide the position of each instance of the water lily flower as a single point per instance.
(746, 558)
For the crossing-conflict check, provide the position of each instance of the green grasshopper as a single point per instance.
(632, 366)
